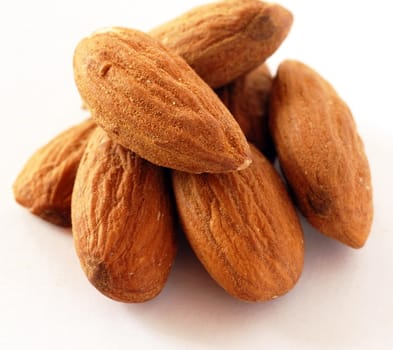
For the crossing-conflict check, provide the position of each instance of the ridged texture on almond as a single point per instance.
(247, 99)
(224, 40)
(122, 221)
(150, 101)
(243, 228)
(45, 184)
(321, 154)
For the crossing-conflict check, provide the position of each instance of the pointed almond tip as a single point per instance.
(245, 164)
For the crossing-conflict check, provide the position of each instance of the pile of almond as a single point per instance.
(185, 124)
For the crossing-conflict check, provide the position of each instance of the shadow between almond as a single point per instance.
(194, 308)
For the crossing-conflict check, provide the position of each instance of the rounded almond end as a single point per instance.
(105, 30)
(281, 16)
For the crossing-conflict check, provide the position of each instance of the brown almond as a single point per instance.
(243, 228)
(247, 99)
(224, 40)
(122, 221)
(45, 184)
(150, 101)
(321, 154)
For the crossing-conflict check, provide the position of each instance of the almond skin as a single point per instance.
(247, 99)
(243, 228)
(151, 102)
(224, 40)
(45, 184)
(321, 154)
(122, 221)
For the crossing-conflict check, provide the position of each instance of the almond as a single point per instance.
(45, 184)
(224, 40)
(243, 228)
(151, 102)
(122, 221)
(247, 99)
(321, 154)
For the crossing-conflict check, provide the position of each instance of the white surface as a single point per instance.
(344, 298)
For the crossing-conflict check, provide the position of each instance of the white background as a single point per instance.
(344, 298)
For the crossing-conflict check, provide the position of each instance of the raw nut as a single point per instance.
(247, 99)
(224, 40)
(321, 154)
(45, 184)
(243, 228)
(122, 221)
(150, 101)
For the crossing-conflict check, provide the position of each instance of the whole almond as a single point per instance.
(150, 101)
(45, 184)
(247, 99)
(224, 40)
(122, 221)
(321, 154)
(243, 228)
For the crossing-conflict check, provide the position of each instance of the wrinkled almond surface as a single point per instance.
(321, 154)
(150, 101)
(247, 100)
(243, 228)
(45, 184)
(224, 40)
(122, 221)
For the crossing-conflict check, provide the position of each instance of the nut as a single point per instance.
(122, 221)
(150, 101)
(46, 181)
(247, 100)
(224, 40)
(243, 228)
(321, 154)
